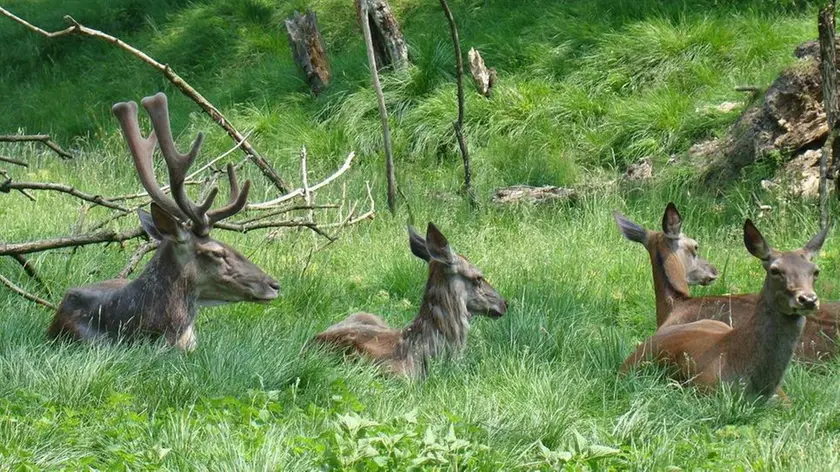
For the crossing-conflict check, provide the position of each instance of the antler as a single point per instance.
(142, 151)
(177, 164)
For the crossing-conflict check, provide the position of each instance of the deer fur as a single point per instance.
(676, 265)
(455, 291)
(756, 352)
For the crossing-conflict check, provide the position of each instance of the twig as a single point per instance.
(136, 257)
(23, 293)
(459, 125)
(298, 192)
(41, 138)
(304, 177)
(383, 111)
(7, 249)
(9, 185)
(288, 210)
(77, 28)
(244, 228)
(30, 270)
(13, 161)
(748, 88)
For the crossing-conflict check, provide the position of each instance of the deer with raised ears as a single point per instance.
(189, 268)
(756, 352)
(455, 291)
(676, 265)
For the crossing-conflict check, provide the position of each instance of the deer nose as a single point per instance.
(808, 300)
(273, 284)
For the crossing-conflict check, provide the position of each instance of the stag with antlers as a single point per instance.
(189, 269)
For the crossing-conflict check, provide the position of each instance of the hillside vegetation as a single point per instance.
(585, 87)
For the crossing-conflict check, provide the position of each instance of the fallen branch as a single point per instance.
(40, 138)
(136, 257)
(13, 161)
(300, 191)
(23, 293)
(182, 85)
(7, 249)
(9, 185)
(30, 270)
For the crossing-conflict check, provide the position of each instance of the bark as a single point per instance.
(389, 45)
(308, 49)
(383, 111)
(828, 74)
(483, 77)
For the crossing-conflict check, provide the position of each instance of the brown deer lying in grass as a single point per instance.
(189, 268)
(757, 351)
(455, 291)
(676, 265)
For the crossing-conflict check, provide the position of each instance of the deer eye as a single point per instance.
(816, 273)
(775, 272)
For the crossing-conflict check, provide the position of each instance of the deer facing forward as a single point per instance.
(189, 268)
(757, 351)
(455, 291)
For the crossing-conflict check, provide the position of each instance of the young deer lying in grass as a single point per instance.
(676, 265)
(757, 351)
(189, 268)
(455, 291)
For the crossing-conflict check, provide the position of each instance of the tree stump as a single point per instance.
(389, 44)
(484, 78)
(308, 49)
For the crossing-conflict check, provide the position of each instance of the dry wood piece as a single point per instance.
(7, 249)
(383, 110)
(9, 185)
(40, 138)
(308, 49)
(389, 44)
(529, 194)
(182, 85)
(484, 78)
(13, 161)
(136, 257)
(23, 293)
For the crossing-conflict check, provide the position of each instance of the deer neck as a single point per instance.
(669, 283)
(769, 340)
(442, 323)
(168, 285)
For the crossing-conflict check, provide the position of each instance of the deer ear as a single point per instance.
(437, 245)
(755, 242)
(418, 244)
(148, 224)
(815, 244)
(672, 221)
(629, 229)
(166, 225)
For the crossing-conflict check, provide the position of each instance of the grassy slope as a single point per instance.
(584, 86)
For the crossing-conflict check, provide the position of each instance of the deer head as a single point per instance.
(222, 274)
(675, 252)
(790, 274)
(451, 271)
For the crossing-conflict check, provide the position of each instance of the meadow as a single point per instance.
(585, 87)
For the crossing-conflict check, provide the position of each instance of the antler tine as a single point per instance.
(142, 151)
(237, 199)
(178, 164)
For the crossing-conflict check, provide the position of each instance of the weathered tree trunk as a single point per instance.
(389, 44)
(459, 125)
(828, 74)
(308, 49)
(383, 111)
(484, 78)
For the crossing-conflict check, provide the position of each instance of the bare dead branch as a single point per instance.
(40, 138)
(29, 268)
(13, 161)
(136, 257)
(459, 124)
(9, 185)
(383, 111)
(828, 75)
(244, 228)
(299, 191)
(7, 249)
(182, 85)
(23, 293)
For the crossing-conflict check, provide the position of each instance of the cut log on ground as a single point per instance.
(308, 49)
(483, 77)
(389, 44)
(533, 195)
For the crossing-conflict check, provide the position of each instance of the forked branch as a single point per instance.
(40, 138)
(182, 85)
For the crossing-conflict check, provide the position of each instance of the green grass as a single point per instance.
(585, 87)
